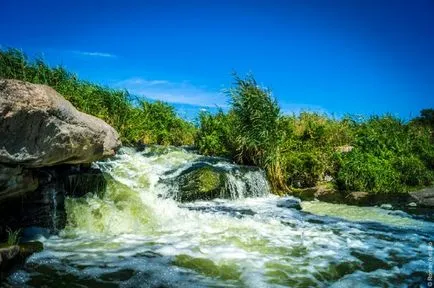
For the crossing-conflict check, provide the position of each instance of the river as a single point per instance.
(137, 235)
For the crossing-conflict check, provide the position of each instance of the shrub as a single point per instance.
(412, 171)
(365, 172)
(304, 169)
(216, 135)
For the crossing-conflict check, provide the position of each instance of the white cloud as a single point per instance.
(184, 92)
(95, 54)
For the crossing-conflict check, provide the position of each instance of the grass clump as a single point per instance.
(137, 121)
(13, 237)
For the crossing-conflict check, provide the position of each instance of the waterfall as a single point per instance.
(249, 184)
(53, 195)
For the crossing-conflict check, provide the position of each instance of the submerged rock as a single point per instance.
(38, 127)
(15, 255)
(205, 181)
(291, 203)
(386, 206)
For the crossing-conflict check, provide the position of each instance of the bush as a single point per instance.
(365, 172)
(216, 135)
(412, 171)
(304, 169)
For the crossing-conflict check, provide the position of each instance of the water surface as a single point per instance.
(136, 235)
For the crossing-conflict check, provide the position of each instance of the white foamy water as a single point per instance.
(135, 236)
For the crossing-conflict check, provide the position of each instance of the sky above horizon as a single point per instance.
(338, 56)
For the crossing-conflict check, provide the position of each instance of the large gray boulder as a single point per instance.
(424, 197)
(38, 127)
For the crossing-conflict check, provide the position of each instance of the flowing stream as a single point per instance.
(137, 235)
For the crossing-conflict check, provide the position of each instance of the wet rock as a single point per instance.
(44, 208)
(7, 253)
(424, 197)
(359, 198)
(291, 203)
(201, 183)
(324, 193)
(38, 127)
(16, 181)
(7, 256)
(204, 181)
(15, 255)
(28, 248)
(386, 206)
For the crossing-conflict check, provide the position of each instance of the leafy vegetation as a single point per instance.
(137, 121)
(13, 237)
(379, 154)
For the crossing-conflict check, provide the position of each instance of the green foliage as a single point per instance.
(145, 122)
(365, 172)
(13, 237)
(387, 154)
(216, 134)
(256, 115)
(426, 118)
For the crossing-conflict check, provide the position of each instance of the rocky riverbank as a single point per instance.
(46, 147)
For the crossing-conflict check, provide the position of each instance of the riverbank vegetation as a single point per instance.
(379, 154)
(136, 120)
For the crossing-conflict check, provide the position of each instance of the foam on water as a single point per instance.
(134, 237)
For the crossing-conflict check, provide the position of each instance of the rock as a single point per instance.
(201, 183)
(344, 148)
(44, 208)
(424, 197)
(16, 181)
(412, 204)
(8, 254)
(204, 181)
(12, 256)
(80, 182)
(28, 248)
(386, 206)
(38, 127)
(358, 198)
(324, 193)
(291, 203)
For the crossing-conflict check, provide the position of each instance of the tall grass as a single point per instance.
(379, 154)
(135, 120)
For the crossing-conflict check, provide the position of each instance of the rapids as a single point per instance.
(137, 235)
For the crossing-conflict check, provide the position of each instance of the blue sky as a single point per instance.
(335, 56)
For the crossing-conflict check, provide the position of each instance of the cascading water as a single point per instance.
(137, 235)
(53, 195)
